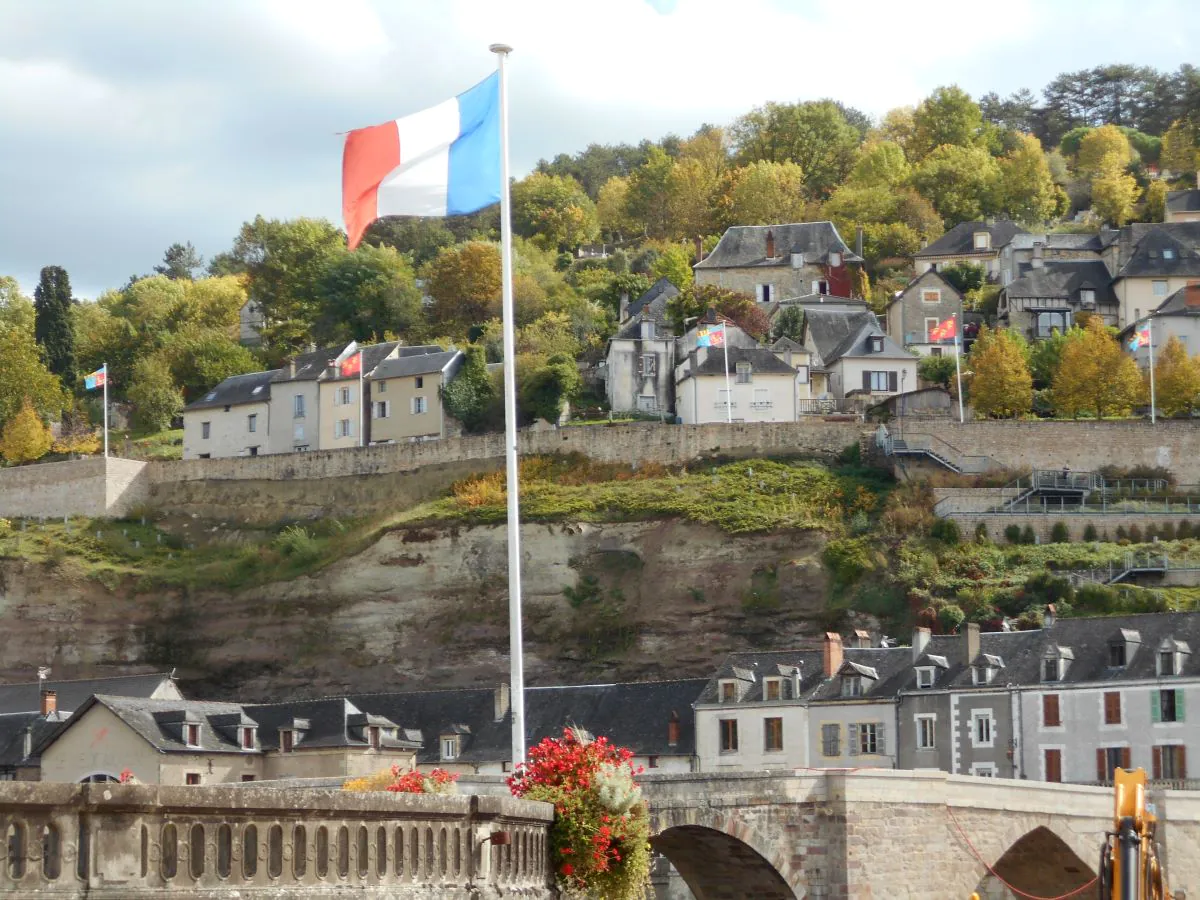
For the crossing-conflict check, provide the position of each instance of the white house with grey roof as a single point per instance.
(1178, 317)
(853, 357)
(233, 419)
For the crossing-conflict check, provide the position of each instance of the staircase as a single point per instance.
(1132, 564)
(939, 451)
(1047, 484)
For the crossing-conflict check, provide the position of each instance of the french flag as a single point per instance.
(442, 161)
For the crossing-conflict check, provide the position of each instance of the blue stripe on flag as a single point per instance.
(475, 157)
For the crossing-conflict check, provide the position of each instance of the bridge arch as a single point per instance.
(720, 856)
(1040, 863)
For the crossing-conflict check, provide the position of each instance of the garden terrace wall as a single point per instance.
(82, 487)
(127, 841)
(1076, 524)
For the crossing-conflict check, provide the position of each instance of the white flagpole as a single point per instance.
(958, 367)
(105, 368)
(362, 399)
(1150, 332)
(515, 644)
(728, 387)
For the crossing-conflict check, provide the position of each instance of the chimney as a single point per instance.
(862, 639)
(796, 679)
(1191, 296)
(970, 637)
(673, 729)
(1051, 615)
(1039, 250)
(623, 312)
(501, 701)
(49, 703)
(833, 653)
(698, 243)
(920, 641)
(1198, 179)
(292, 368)
(858, 241)
(770, 244)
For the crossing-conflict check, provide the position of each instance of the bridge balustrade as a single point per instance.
(122, 841)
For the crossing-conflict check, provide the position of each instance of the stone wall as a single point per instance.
(83, 487)
(121, 841)
(1042, 525)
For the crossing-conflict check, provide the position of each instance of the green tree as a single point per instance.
(1101, 148)
(155, 398)
(1025, 189)
(1181, 148)
(1001, 386)
(470, 396)
(180, 262)
(1176, 379)
(612, 209)
(814, 135)
(554, 212)
(16, 310)
(880, 163)
(696, 300)
(964, 276)
(937, 370)
(674, 263)
(1045, 357)
(762, 193)
(366, 293)
(690, 189)
(960, 182)
(52, 302)
(25, 436)
(199, 358)
(789, 324)
(464, 283)
(648, 193)
(947, 116)
(549, 387)
(1114, 193)
(1095, 376)
(421, 239)
(1154, 202)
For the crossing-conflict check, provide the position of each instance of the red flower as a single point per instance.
(567, 869)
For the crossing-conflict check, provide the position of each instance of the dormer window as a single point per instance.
(728, 691)
(1116, 655)
(1166, 662)
(191, 734)
(373, 736)
(835, 259)
(852, 686)
(450, 746)
(287, 740)
(247, 740)
(875, 344)
(982, 674)
(773, 689)
(1170, 657)
(925, 677)
(744, 373)
(647, 330)
(982, 240)
(1087, 297)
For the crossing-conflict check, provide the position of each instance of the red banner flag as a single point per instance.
(944, 331)
(352, 365)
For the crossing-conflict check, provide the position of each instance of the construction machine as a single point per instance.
(1129, 865)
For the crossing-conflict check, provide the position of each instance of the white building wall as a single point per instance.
(751, 754)
(847, 374)
(289, 432)
(229, 433)
(843, 715)
(766, 398)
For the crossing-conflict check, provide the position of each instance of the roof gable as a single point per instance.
(746, 245)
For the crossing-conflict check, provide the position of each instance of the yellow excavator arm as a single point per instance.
(1129, 864)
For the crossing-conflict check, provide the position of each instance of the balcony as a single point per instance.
(761, 404)
(855, 406)
(721, 404)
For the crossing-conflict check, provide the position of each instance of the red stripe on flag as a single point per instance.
(370, 154)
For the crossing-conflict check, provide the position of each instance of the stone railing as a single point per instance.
(128, 841)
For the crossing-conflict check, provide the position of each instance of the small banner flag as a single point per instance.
(352, 365)
(944, 331)
(711, 337)
(1141, 337)
(96, 379)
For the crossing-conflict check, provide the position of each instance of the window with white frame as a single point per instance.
(247, 738)
(925, 676)
(729, 735)
(926, 731)
(1051, 670)
(762, 292)
(383, 409)
(931, 295)
(252, 423)
(381, 387)
(373, 737)
(647, 403)
(191, 734)
(343, 428)
(343, 396)
(728, 691)
(772, 688)
(450, 747)
(984, 770)
(982, 728)
(298, 406)
(982, 674)
(878, 382)
(1168, 253)
(205, 430)
(723, 399)
(1166, 662)
(1159, 286)
(420, 381)
(866, 739)
(647, 364)
(419, 405)
(773, 734)
(982, 240)
(1087, 297)
(744, 370)
(762, 398)
(852, 686)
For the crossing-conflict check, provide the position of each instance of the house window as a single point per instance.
(867, 738)
(298, 406)
(926, 738)
(1116, 655)
(248, 778)
(381, 387)
(925, 677)
(647, 364)
(723, 399)
(420, 381)
(931, 323)
(875, 344)
(982, 674)
(1112, 708)
(343, 396)
(773, 734)
(821, 287)
(191, 778)
(382, 408)
(773, 689)
(646, 403)
(652, 762)
(1052, 760)
(1168, 254)
(984, 770)
(1047, 323)
(419, 405)
(373, 737)
(298, 432)
(763, 293)
(647, 330)
(1109, 759)
(728, 692)
(935, 351)
(1166, 706)
(1051, 717)
(252, 423)
(1087, 297)
(743, 373)
(286, 740)
(983, 240)
(852, 686)
(981, 728)
(729, 735)
(931, 295)
(253, 450)
(247, 738)
(191, 734)
(205, 430)
(1166, 662)
(450, 747)
(1170, 761)
(1050, 671)
(879, 382)
(343, 428)
(1160, 287)
(831, 740)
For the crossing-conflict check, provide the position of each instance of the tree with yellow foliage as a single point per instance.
(1101, 147)
(1001, 386)
(1095, 376)
(25, 436)
(1114, 192)
(1176, 379)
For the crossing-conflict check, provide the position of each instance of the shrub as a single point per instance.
(1184, 530)
(1151, 533)
(981, 533)
(439, 781)
(1060, 533)
(950, 617)
(1048, 588)
(1168, 531)
(847, 559)
(1135, 535)
(1089, 533)
(1122, 534)
(946, 531)
(1012, 533)
(1028, 536)
(295, 542)
(25, 436)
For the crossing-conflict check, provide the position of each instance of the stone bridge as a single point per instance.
(890, 834)
(122, 842)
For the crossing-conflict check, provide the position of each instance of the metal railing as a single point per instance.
(1064, 506)
(1114, 572)
(940, 450)
(831, 407)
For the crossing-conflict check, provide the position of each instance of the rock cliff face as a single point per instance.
(425, 608)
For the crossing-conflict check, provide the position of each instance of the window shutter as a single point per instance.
(641, 365)
(1156, 762)
(351, 429)
(880, 739)
(1156, 707)
(387, 408)
(1181, 759)
(1178, 705)
(1101, 768)
(893, 382)
(867, 381)
(1126, 759)
(853, 748)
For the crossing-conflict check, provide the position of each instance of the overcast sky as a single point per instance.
(126, 125)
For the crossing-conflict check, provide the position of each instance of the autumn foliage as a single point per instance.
(399, 781)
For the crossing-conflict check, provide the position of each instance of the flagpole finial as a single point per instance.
(500, 48)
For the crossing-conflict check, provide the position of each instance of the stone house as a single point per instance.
(853, 357)
(775, 262)
(973, 242)
(406, 395)
(1049, 297)
(232, 419)
(926, 301)
(1179, 316)
(640, 361)
(1026, 251)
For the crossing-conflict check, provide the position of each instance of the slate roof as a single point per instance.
(960, 240)
(930, 278)
(236, 390)
(325, 722)
(653, 310)
(25, 697)
(786, 343)
(1093, 241)
(416, 364)
(1163, 251)
(661, 288)
(309, 366)
(1183, 201)
(160, 722)
(373, 355)
(1177, 304)
(762, 361)
(1064, 281)
(837, 334)
(744, 246)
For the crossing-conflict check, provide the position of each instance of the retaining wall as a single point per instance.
(82, 487)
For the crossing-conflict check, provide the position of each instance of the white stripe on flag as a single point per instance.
(419, 185)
